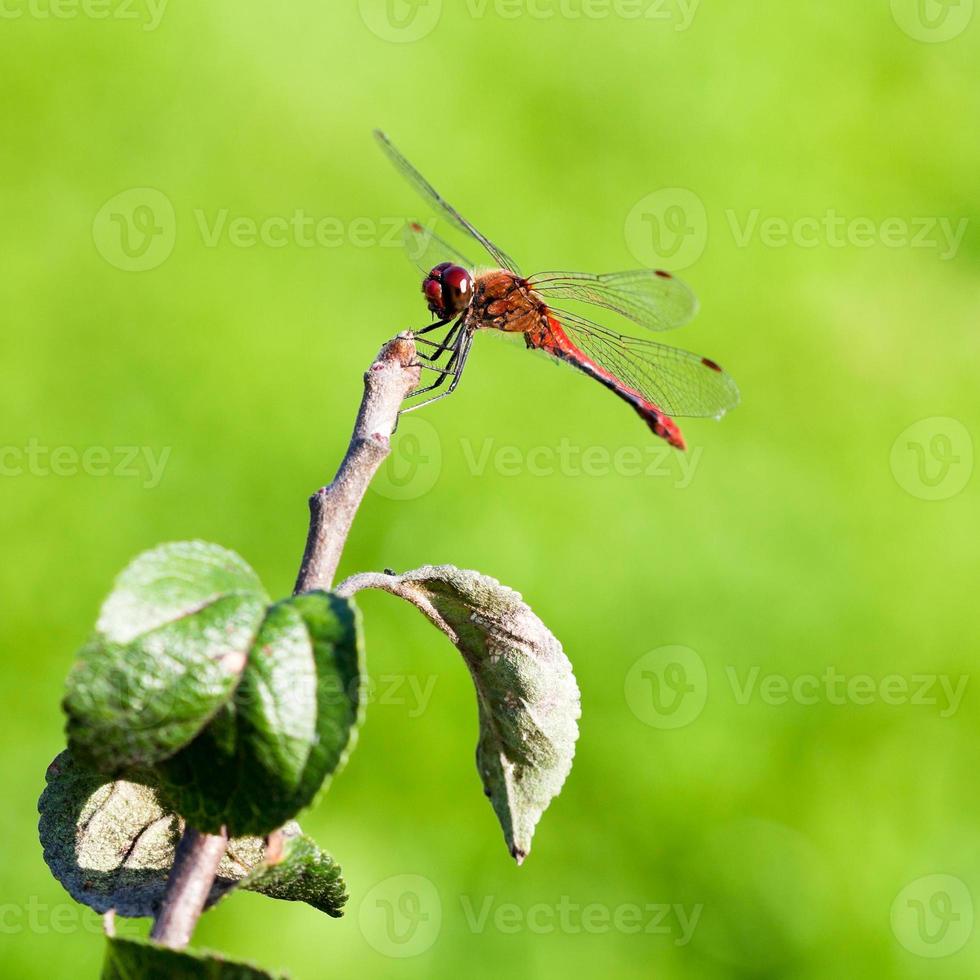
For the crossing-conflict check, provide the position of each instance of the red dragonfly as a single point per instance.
(658, 381)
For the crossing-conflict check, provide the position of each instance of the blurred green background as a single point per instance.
(812, 171)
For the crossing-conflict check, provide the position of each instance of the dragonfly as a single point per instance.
(658, 381)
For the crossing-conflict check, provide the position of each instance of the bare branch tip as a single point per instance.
(400, 349)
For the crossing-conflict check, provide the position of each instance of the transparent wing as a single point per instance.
(442, 206)
(653, 299)
(677, 381)
(426, 249)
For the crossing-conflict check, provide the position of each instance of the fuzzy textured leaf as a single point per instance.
(299, 872)
(127, 959)
(526, 692)
(170, 644)
(170, 582)
(111, 845)
(289, 726)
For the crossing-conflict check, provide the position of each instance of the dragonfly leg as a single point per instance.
(435, 368)
(432, 326)
(458, 361)
(464, 353)
(444, 373)
(448, 343)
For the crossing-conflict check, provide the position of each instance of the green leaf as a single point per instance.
(289, 726)
(131, 705)
(140, 959)
(299, 871)
(170, 644)
(170, 582)
(111, 845)
(527, 695)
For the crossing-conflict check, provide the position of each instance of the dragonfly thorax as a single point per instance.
(448, 289)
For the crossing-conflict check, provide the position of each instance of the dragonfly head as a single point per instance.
(448, 289)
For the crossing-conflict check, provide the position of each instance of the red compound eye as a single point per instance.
(433, 293)
(458, 280)
(448, 289)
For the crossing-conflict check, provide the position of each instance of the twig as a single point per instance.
(394, 373)
(390, 378)
(188, 885)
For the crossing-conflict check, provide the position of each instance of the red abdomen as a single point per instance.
(556, 342)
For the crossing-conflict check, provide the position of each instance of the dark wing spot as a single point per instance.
(416, 227)
(662, 274)
(708, 363)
